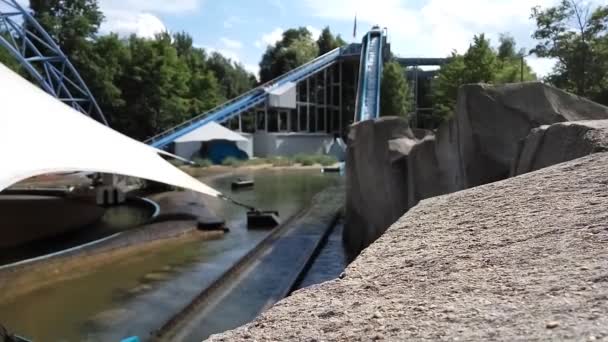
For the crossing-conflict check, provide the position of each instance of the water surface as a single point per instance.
(137, 295)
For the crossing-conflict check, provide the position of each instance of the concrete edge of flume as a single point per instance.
(181, 318)
(76, 261)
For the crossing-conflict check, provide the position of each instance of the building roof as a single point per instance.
(209, 132)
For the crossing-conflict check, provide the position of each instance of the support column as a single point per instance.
(332, 82)
(325, 128)
(241, 122)
(299, 107)
(416, 97)
(340, 99)
(266, 117)
(308, 105)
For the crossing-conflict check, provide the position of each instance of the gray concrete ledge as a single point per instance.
(522, 259)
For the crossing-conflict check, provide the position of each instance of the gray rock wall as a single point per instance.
(558, 143)
(390, 169)
(518, 260)
(376, 174)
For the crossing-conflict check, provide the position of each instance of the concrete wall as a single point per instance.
(25, 218)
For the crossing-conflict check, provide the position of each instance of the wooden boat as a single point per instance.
(242, 184)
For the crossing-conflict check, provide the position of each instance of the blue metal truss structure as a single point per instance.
(249, 100)
(370, 76)
(41, 57)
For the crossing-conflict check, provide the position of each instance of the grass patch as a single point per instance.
(313, 159)
(232, 162)
(304, 159)
(281, 161)
(326, 160)
(202, 162)
(256, 161)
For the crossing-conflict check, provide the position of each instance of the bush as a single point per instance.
(202, 162)
(326, 160)
(281, 162)
(256, 161)
(304, 159)
(312, 159)
(231, 161)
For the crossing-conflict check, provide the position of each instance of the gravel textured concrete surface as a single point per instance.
(523, 259)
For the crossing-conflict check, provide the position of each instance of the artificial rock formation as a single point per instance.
(376, 163)
(478, 146)
(491, 120)
(518, 260)
(561, 142)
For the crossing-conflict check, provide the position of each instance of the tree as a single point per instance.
(233, 77)
(395, 93)
(510, 62)
(155, 87)
(445, 88)
(480, 64)
(327, 42)
(8, 60)
(480, 61)
(506, 49)
(576, 36)
(294, 49)
(71, 23)
(109, 57)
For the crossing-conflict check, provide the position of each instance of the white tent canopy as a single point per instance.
(40, 135)
(209, 132)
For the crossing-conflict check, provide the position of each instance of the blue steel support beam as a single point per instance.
(39, 55)
(244, 102)
(410, 62)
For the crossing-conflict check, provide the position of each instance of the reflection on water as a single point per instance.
(115, 220)
(137, 295)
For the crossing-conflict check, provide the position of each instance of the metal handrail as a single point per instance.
(263, 87)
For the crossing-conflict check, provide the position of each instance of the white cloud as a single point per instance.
(231, 43)
(541, 66)
(156, 6)
(231, 21)
(142, 24)
(436, 27)
(315, 32)
(270, 38)
(126, 17)
(234, 56)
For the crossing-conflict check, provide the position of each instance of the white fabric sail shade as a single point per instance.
(40, 135)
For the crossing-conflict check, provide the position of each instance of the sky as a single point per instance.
(241, 29)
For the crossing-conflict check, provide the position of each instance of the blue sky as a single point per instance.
(241, 29)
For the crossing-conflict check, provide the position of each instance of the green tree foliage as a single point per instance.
(71, 23)
(395, 93)
(9, 61)
(234, 79)
(156, 84)
(576, 35)
(327, 42)
(144, 86)
(480, 64)
(294, 49)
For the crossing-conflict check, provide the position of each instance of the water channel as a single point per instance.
(137, 295)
